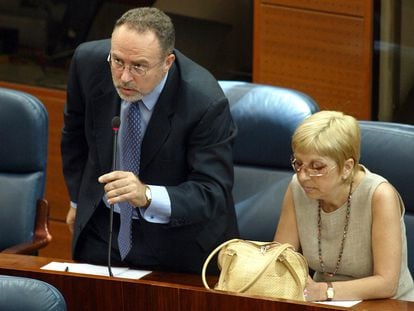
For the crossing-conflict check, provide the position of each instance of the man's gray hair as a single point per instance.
(144, 19)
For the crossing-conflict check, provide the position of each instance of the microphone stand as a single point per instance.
(111, 219)
(115, 127)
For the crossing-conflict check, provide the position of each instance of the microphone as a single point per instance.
(116, 121)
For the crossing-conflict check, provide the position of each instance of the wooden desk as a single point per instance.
(159, 291)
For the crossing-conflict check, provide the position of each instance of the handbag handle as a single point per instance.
(282, 248)
(207, 261)
(293, 272)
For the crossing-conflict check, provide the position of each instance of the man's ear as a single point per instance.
(168, 62)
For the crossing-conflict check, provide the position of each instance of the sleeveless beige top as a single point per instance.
(357, 261)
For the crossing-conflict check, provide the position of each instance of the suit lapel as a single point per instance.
(105, 107)
(159, 127)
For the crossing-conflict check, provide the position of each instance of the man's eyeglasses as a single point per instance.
(311, 172)
(134, 70)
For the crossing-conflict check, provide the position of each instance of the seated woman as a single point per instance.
(347, 221)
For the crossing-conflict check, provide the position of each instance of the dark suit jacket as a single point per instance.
(187, 147)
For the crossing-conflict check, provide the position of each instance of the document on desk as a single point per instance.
(119, 272)
(339, 303)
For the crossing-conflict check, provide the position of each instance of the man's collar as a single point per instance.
(151, 99)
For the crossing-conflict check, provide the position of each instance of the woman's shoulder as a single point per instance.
(377, 187)
(366, 183)
(366, 177)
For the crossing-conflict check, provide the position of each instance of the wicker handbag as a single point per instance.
(268, 269)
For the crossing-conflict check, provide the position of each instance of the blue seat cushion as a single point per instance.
(20, 293)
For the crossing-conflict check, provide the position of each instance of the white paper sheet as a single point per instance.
(341, 303)
(95, 270)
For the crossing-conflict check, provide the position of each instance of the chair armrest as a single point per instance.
(41, 238)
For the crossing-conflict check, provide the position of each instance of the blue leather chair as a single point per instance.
(266, 117)
(387, 149)
(23, 158)
(21, 294)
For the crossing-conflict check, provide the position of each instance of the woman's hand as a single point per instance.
(315, 291)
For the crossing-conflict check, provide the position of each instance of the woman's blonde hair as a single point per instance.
(329, 133)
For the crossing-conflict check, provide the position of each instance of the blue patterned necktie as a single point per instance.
(130, 161)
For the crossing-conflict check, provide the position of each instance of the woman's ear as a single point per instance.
(348, 168)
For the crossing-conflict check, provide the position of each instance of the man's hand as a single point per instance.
(70, 218)
(121, 186)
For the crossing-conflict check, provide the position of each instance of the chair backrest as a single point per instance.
(266, 117)
(23, 160)
(20, 293)
(387, 149)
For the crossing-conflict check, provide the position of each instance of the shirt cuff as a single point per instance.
(159, 211)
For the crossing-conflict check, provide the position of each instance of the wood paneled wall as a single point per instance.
(56, 193)
(323, 48)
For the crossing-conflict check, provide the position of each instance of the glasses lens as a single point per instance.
(311, 172)
(138, 71)
(316, 172)
(320, 171)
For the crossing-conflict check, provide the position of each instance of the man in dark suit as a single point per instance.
(182, 200)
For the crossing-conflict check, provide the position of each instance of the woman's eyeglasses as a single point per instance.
(310, 171)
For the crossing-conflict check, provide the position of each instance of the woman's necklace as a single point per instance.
(338, 262)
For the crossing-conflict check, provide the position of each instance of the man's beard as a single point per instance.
(133, 98)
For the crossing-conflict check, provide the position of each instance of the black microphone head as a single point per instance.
(116, 122)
